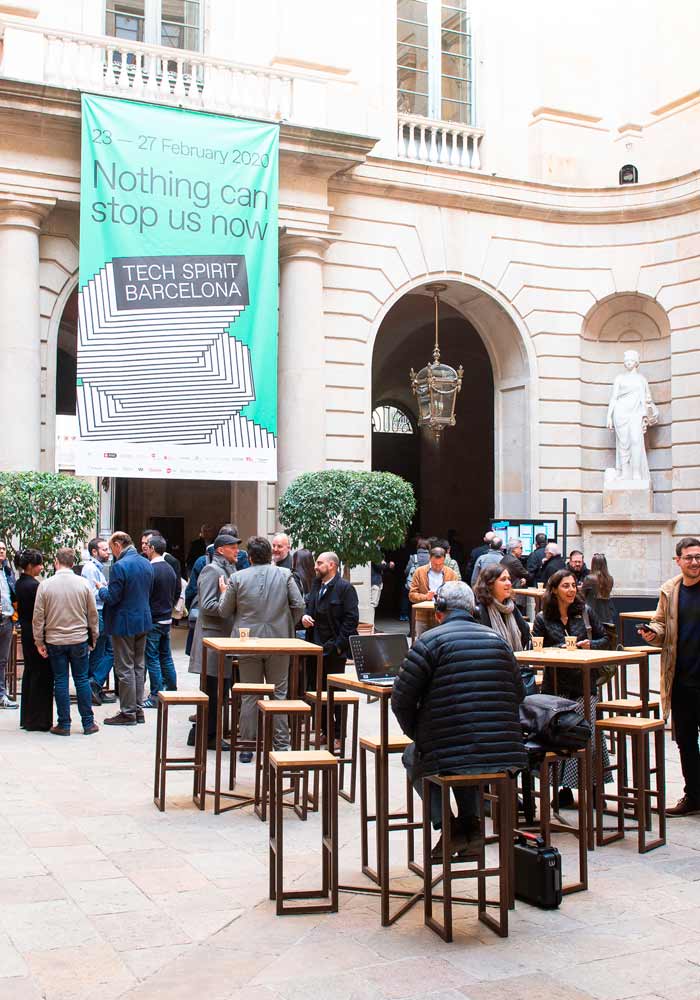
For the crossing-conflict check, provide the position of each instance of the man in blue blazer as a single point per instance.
(127, 618)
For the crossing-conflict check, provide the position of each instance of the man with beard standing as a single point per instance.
(332, 615)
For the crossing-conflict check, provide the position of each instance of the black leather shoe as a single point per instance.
(108, 699)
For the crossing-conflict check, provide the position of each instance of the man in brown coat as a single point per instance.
(675, 627)
(427, 580)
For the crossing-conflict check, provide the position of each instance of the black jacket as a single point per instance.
(534, 565)
(336, 615)
(166, 591)
(579, 574)
(549, 568)
(569, 681)
(516, 569)
(457, 696)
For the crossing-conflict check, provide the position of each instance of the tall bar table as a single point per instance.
(586, 660)
(296, 649)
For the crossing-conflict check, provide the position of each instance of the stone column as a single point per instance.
(301, 424)
(20, 335)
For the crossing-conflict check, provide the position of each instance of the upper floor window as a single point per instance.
(389, 419)
(175, 23)
(434, 60)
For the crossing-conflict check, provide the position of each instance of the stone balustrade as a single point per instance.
(106, 65)
(446, 143)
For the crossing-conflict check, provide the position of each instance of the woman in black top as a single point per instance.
(497, 610)
(36, 705)
(564, 613)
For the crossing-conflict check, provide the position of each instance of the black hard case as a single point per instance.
(537, 872)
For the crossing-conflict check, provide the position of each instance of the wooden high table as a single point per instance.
(534, 592)
(586, 660)
(296, 649)
(422, 611)
(347, 682)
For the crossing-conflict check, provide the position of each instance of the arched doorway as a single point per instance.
(481, 467)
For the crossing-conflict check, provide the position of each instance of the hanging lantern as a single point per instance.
(436, 386)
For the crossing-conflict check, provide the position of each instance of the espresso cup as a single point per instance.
(244, 633)
(538, 642)
(570, 641)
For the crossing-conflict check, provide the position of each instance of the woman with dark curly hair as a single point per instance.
(497, 610)
(564, 613)
(36, 704)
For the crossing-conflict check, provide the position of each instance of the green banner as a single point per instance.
(177, 346)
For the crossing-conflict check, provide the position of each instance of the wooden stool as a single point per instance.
(639, 793)
(299, 721)
(624, 706)
(548, 774)
(396, 821)
(344, 700)
(500, 793)
(198, 763)
(296, 764)
(238, 692)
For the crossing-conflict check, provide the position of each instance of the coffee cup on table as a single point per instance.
(570, 641)
(538, 642)
(244, 633)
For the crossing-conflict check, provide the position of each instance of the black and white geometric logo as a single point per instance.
(156, 362)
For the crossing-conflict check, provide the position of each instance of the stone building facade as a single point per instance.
(553, 268)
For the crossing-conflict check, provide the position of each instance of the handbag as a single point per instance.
(554, 723)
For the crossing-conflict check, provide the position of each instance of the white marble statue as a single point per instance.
(630, 412)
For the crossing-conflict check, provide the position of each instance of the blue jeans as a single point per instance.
(159, 660)
(61, 658)
(101, 657)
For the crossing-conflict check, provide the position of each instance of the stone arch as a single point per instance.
(514, 367)
(58, 275)
(612, 326)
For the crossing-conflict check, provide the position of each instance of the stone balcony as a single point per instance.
(437, 142)
(101, 64)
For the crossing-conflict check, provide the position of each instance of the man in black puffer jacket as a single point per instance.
(457, 697)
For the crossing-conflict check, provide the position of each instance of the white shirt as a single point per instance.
(435, 580)
(5, 597)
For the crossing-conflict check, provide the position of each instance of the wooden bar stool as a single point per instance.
(238, 691)
(299, 714)
(639, 794)
(547, 772)
(498, 789)
(396, 821)
(197, 763)
(344, 700)
(293, 765)
(626, 706)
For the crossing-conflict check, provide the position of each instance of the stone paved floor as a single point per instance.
(103, 896)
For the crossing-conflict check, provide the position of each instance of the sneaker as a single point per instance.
(91, 729)
(6, 702)
(684, 807)
(245, 756)
(119, 720)
(151, 702)
(59, 731)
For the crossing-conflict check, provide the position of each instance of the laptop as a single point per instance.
(378, 658)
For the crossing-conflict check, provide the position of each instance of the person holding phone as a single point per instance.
(675, 627)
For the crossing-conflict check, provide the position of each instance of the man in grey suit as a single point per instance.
(265, 599)
(211, 623)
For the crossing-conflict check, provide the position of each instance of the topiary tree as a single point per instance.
(352, 513)
(45, 510)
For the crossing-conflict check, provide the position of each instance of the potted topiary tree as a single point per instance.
(45, 510)
(354, 514)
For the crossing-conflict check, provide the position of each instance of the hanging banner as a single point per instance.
(177, 342)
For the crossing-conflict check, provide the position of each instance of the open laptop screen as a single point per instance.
(379, 655)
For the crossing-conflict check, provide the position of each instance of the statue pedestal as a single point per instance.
(626, 496)
(637, 544)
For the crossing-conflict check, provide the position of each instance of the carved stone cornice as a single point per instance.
(23, 214)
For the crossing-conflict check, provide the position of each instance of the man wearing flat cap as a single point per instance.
(210, 623)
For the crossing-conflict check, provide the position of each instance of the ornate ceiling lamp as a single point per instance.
(436, 386)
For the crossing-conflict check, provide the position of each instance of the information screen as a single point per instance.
(525, 531)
